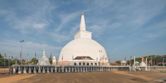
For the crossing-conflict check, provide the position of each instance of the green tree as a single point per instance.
(34, 61)
(118, 62)
(50, 59)
(1, 60)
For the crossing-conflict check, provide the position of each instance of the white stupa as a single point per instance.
(44, 59)
(83, 50)
(143, 64)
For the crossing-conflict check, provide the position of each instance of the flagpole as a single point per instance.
(21, 51)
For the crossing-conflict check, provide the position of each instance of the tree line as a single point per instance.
(7, 61)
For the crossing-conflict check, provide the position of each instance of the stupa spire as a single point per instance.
(82, 33)
(82, 23)
(44, 53)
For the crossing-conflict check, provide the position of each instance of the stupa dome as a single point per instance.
(83, 48)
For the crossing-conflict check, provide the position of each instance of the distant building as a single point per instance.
(143, 64)
(123, 62)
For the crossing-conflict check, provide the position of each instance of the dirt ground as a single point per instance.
(91, 77)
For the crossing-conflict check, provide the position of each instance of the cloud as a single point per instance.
(132, 14)
(27, 17)
(59, 38)
(66, 19)
(98, 29)
(119, 25)
(28, 24)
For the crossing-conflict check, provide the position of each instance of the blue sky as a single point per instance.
(124, 27)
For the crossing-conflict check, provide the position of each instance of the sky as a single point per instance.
(124, 27)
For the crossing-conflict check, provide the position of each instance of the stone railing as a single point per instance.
(23, 69)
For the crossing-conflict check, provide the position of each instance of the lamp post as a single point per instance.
(21, 46)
